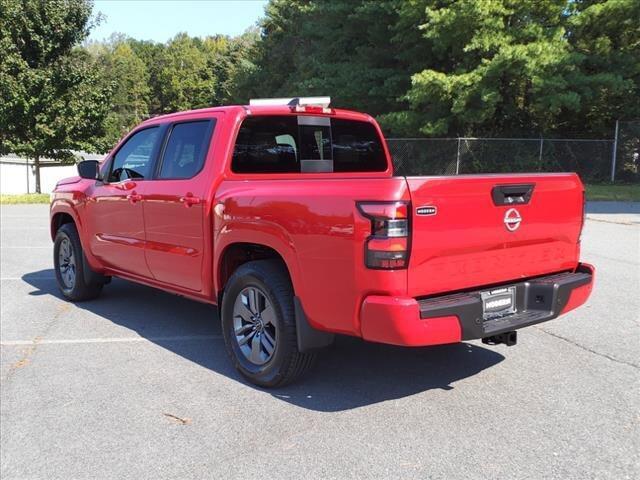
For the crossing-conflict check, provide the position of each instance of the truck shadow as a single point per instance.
(350, 374)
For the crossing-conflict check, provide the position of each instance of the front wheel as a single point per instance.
(258, 324)
(69, 262)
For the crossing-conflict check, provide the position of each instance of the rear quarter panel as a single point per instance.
(314, 225)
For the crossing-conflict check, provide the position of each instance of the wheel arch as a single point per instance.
(63, 213)
(236, 254)
(58, 219)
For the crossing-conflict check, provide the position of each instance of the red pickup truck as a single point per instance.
(287, 215)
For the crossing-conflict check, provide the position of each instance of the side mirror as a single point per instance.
(89, 169)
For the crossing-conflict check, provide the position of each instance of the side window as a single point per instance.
(134, 158)
(186, 149)
(267, 145)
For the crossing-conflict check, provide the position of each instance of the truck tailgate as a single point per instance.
(466, 232)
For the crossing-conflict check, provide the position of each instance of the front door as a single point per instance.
(115, 218)
(174, 206)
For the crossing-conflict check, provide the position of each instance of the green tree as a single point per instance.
(216, 53)
(228, 59)
(457, 67)
(523, 67)
(186, 80)
(126, 75)
(341, 48)
(605, 37)
(497, 65)
(150, 53)
(51, 102)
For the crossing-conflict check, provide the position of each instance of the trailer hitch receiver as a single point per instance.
(508, 338)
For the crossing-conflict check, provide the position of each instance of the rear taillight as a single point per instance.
(388, 245)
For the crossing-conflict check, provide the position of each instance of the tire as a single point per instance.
(276, 321)
(71, 268)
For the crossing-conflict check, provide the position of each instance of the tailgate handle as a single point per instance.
(512, 194)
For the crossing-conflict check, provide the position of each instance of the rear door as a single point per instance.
(174, 203)
(476, 230)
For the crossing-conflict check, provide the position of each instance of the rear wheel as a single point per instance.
(258, 324)
(71, 270)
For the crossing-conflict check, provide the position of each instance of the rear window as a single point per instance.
(307, 144)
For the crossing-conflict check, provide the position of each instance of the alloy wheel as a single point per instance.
(254, 325)
(67, 263)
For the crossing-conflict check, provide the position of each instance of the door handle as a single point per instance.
(125, 185)
(134, 197)
(189, 200)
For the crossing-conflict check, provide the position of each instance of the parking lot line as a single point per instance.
(30, 278)
(184, 338)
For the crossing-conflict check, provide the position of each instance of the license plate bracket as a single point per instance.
(498, 302)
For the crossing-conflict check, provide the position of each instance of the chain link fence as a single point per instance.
(627, 159)
(591, 159)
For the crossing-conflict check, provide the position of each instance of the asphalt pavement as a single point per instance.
(136, 384)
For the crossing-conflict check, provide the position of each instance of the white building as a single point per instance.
(17, 175)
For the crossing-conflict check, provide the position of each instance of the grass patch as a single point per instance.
(24, 198)
(620, 193)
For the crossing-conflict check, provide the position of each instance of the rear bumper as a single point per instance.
(456, 317)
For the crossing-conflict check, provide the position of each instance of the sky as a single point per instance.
(160, 20)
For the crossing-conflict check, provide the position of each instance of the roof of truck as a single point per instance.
(263, 110)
